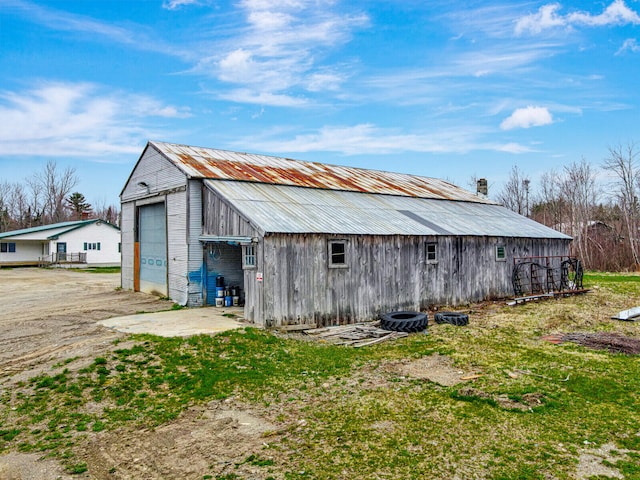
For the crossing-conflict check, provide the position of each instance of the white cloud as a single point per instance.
(280, 49)
(527, 117)
(615, 14)
(96, 30)
(629, 45)
(76, 119)
(372, 140)
(548, 16)
(245, 95)
(175, 4)
(545, 18)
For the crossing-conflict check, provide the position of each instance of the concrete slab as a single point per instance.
(180, 323)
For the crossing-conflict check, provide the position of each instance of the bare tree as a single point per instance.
(549, 204)
(622, 161)
(579, 189)
(35, 201)
(108, 213)
(56, 186)
(5, 217)
(515, 194)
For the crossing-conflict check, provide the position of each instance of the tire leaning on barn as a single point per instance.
(409, 322)
(454, 318)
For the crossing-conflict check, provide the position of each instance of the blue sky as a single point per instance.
(435, 88)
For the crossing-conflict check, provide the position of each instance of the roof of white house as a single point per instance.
(209, 163)
(287, 209)
(52, 231)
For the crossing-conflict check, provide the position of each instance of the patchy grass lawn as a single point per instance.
(99, 269)
(530, 409)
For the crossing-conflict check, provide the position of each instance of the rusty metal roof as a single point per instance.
(289, 209)
(208, 163)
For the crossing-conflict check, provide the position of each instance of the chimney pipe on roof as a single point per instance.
(482, 187)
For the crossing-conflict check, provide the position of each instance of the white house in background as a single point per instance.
(94, 242)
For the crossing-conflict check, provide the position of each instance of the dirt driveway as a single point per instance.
(49, 315)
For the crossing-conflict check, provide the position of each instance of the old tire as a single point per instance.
(409, 322)
(453, 318)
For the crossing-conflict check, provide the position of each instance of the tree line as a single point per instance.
(47, 196)
(602, 217)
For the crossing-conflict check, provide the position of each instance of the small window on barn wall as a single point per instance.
(501, 253)
(337, 253)
(248, 256)
(432, 252)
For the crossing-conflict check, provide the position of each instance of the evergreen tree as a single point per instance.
(78, 205)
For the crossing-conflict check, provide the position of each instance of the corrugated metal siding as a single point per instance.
(177, 260)
(157, 172)
(198, 162)
(285, 209)
(195, 263)
(127, 225)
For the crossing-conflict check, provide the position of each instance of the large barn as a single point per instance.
(306, 242)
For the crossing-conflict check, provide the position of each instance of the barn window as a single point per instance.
(249, 256)
(432, 252)
(501, 253)
(337, 253)
(8, 247)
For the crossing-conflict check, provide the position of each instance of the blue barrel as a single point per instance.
(220, 292)
(219, 281)
(228, 301)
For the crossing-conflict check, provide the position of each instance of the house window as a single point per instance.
(119, 247)
(8, 247)
(249, 256)
(432, 253)
(501, 253)
(92, 246)
(337, 254)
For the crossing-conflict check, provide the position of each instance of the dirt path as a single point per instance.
(49, 315)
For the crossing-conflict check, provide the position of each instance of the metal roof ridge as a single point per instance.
(309, 162)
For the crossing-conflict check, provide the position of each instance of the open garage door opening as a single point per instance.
(224, 269)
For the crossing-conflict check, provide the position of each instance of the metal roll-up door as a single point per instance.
(153, 248)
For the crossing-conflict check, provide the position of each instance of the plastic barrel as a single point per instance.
(228, 301)
(219, 301)
(219, 292)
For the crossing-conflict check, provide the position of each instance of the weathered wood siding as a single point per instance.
(221, 218)
(385, 274)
